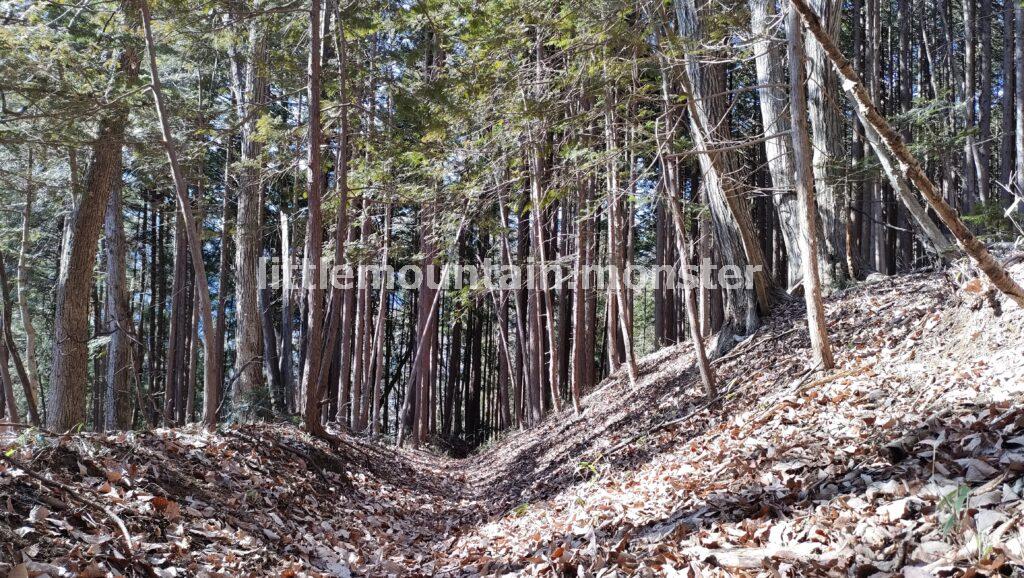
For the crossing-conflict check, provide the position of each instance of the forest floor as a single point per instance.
(907, 459)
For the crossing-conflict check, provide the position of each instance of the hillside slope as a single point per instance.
(908, 458)
(860, 468)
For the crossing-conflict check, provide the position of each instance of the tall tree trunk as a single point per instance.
(517, 299)
(287, 316)
(984, 100)
(857, 201)
(378, 332)
(224, 270)
(248, 390)
(582, 356)
(879, 233)
(176, 331)
(673, 190)
(1007, 83)
(826, 131)
(772, 98)
(118, 318)
(31, 365)
(971, 165)
(619, 315)
(315, 369)
(532, 378)
(211, 387)
(69, 372)
(1018, 135)
(905, 97)
(338, 297)
(726, 194)
(816, 324)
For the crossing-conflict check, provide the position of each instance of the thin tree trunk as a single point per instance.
(12, 346)
(772, 98)
(857, 200)
(672, 190)
(193, 361)
(31, 365)
(176, 336)
(582, 356)
(8, 385)
(118, 320)
(816, 323)
(1018, 135)
(287, 315)
(1008, 82)
(379, 336)
(619, 315)
(360, 387)
(224, 271)
(971, 165)
(934, 239)
(211, 387)
(984, 100)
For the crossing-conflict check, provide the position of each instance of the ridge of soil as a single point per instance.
(907, 459)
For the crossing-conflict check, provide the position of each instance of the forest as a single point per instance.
(511, 287)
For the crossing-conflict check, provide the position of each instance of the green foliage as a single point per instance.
(255, 405)
(954, 505)
(990, 221)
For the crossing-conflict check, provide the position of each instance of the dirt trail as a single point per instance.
(905, 459)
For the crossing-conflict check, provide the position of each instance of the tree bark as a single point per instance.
(673, 190)
(725, 193)
(9, 402)
(826, 132)
(816, 323)
(984, 153)
(118, 318)
(287, 315)
(1008, 82)
(1018, 135)
(31, 365)
(971, 164)
(248, 390)
(772, 98)
(378, 332)
(69, 372)
(616, 259)
(315, 368)
(224, 270)
(211, 387)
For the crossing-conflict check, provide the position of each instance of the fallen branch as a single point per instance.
(802, 388)
(741, 348)
(75, 493)
(662, 426)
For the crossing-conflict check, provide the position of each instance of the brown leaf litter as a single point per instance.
(906, 460)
